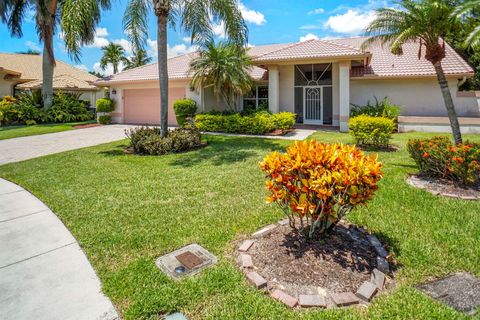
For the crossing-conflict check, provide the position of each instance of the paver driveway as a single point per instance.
(44, 273)
(24, 148)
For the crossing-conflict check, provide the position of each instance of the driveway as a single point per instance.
(24, 148)
(44, 273)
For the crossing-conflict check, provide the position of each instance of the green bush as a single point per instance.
(375, 131)
(67, 108)
(105, 105)
(258, 123)
(147, 141)
(440, 157)
(105, 119)
(8, 112)
(383, 108)
(184, 108)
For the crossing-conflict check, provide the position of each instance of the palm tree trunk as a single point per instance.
(163, 72)
(47, 75)
(115, 68)
(447, 97)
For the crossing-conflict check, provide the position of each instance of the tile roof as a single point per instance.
(27, 67)
(64, 82)
(382, 62)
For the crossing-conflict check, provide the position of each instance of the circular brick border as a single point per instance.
(419, 183)
(324, 299)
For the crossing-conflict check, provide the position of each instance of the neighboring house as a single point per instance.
(318, 80)
(24, 72)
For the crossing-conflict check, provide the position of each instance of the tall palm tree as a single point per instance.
(194, 17)
(226, 69)
(113, 54)
(77, 21)
(139, 58)
(425, 22)
(467, 9)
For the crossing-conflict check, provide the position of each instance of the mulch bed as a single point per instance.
(339, 263)
(278, 132)
(444, 187)
(89, 125)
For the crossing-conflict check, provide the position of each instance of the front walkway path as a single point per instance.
(23, 148)
(297, 134)
(44, 274)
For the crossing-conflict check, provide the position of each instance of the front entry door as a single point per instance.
(313, 105)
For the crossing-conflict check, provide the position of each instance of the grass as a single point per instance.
(8, 132)
(127, 210)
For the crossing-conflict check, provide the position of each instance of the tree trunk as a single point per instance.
(47, 75)
(447, 97)
(163, 72)
(115, 68)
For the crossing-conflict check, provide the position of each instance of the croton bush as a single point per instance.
(440, 157)
(317, 184)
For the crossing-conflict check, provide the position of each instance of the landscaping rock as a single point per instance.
(382, 265)
(366, 291)
(378, 278)
(264, 231)
(312, 301)
(283, 222)
(246, 261)
(257, 280)
(247, 244)
(175, 316)
(285, 298)
(377, 245)
(344, 299)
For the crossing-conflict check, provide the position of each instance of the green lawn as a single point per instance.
(8, 132)
(127, 210)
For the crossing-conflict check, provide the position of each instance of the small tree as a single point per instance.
(113, 54)
(139, 58)
(317, 184)
(226, 69)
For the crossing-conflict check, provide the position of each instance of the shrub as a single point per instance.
(260, 122)
(67, 108)
(375, 131)
(105, 119)
(382, 108)
(147, 141)
(184, 108)
(8, 112)
(440, 157)
(320, 183)
(105, 105)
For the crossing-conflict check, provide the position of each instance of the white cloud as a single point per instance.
(33, 46)
(252, 16)
(352, 22)
(172, 51)
(126, 45)
(219, 30)
(99, 39)
(316, 11)
(81, 67)
(187, 39)
(308, 37)
(101, 32)
(310, 27)
(108, 70)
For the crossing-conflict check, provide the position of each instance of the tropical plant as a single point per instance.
(226, 69)
(113, 54)
(425, 22)
(465, 10)
(317, 184)
(381, 108)
(196, 17)
(374, 131)
(139, 58)
(76, 19)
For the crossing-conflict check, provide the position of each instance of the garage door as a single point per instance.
(142, 106)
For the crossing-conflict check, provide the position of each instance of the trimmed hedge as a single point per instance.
(105, 119)
(184, 108)
(375, 131)
(105, 105)
(257, 123)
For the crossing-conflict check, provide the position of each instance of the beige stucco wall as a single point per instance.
(287, 89)
(417, 97)
(6, 87)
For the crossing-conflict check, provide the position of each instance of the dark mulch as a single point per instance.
(338, 263)
(278, 132)
(88, 125)
(444, 187)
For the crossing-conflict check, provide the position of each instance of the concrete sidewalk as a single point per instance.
(44, 274)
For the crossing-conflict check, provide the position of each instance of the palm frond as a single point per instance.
(135, 22)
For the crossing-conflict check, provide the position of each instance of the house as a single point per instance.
(24, 72)
(318, 80)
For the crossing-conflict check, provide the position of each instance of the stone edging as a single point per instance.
(417, 182)
(364, 294)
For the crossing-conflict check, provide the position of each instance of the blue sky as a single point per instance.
(269, 21)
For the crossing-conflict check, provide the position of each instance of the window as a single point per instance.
(258, 97)
(313, 74)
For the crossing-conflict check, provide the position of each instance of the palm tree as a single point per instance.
(139, 58)
(225, 68)
(77, 22)
(466, 9)
(194, 17)
(113, 54)
(425, 22)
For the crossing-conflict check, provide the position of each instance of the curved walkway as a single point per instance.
(44, 274)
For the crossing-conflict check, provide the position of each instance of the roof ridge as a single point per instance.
(332, 41)
(288, 46)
